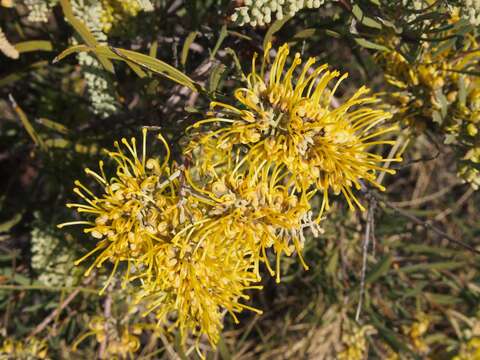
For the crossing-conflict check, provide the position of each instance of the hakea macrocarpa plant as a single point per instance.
(192, 237)
(289, 120)
(193, 243)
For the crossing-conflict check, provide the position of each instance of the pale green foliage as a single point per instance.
(262, 12)
(99, 91)
(52, 260)
(471, 11)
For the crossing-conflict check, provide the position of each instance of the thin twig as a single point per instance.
(425, 199)
(107, 312)
(170, 352)
(40, 327)
(47, 288)
(369, 231)
(54, 314)
(456, 206)
(428, 225)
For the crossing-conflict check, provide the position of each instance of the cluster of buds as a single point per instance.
(262, 12)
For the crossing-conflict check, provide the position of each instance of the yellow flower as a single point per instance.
(31, 348)
(257, 206)
(171, 242)
(355, 343)
(135, 202)
(470, 350)
(416, 332)
(200, 275)
(288, 119)
(121, 339)
(117, 11)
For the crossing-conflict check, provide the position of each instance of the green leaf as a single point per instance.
(370, 45)
(442, 299)
(138, 59)
(437, 117)
(223, 349)
(186, 47)
(276, 26)
(215, 77)
(380, 269)
(238, 66)
(447, 265)
(7, 225)
(27, 124)
(443, 103)
(35, 45)
(427, 249)
(304, 34)
(153, 49)
(221, 37)
(53, 125)
(391, 337)
(332, 264)
(357, 12)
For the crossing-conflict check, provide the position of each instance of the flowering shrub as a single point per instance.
(244, 209)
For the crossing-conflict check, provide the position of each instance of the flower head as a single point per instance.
(188, 274)
(137, 207)
(199, 277)
(31, 348)
(257, 206)
(289, 120)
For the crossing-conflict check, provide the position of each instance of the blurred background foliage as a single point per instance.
(400, 281)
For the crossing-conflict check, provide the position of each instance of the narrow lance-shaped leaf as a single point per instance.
(141, 60)
(84, 33)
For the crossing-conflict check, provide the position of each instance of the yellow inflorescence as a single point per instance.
(138, 198)
(114, 11)
(416, 332)
(470, 350)
(32, 348)
(259, 207)
(355, 343)
(437, 91)
(418, 84)
(192, 238)
(121, 340)
(169, 239)
(289, 120)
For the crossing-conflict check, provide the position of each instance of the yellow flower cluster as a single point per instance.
(116, 11)
(121, 340)
(438, 91)
(416, 332)
(355, 343)
(470, 351)
(32, 348)
(192, 238)
(168, 239)
(289, 121)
